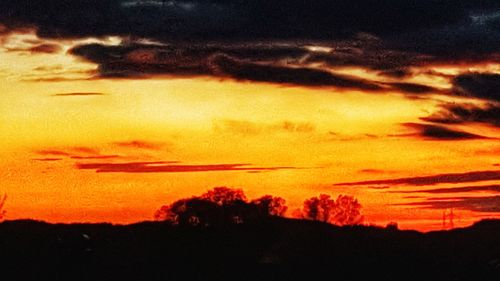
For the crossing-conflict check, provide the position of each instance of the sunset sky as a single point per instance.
(110, 109)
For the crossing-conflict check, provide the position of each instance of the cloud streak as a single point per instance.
(77, 94)
(461, 189)
(48, 159)
(475, 176)
(169, 167)
(487, 204)
(248, 128)
(140, 144)
(452, 113)
(435, 132)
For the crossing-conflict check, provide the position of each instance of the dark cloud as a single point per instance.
(270, 37)
(461, 189)
(396, 73)
(77, 94)
(452, 113)
(258, 63)
(434, 132)
(478, 85)
(222, 19)
(413, 88)
(167, 167)
(475, 176)
(489, 204)
(290, 75)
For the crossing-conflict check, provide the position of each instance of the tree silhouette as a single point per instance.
(220, 205)
(192, 211)
(319, 208)
(217, 206)
(224, 195)
(345, 210)
(2, 204)
(269, 205)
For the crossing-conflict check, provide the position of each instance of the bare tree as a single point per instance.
(345, 210)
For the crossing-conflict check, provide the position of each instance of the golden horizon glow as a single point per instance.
(329, 135)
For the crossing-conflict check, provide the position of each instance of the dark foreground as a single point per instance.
(275, 249)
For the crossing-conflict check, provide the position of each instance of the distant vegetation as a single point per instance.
(223, 205)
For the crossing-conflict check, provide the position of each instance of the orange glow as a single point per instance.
(328, 137)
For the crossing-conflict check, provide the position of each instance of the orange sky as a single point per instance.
(53, 121)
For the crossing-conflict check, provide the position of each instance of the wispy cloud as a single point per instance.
(53, 152)
(452, 113)
(461, 189)
(95, 157)
(47, 159)
(45, 48)
(489, 204)
(434, 132)
(474, 176)
(244, 127)
(77, 152)
(78, 94)
(169, 167)
(141, 144)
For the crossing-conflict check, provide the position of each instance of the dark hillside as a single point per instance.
(274, 249)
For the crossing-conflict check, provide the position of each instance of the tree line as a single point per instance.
(223, 205)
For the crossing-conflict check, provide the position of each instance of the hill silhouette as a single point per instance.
(271, 249)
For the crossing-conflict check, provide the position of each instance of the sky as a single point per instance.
(110, 109)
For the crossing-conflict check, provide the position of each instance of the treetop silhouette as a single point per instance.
(345, 210)
(225, 205)
(220, 205)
